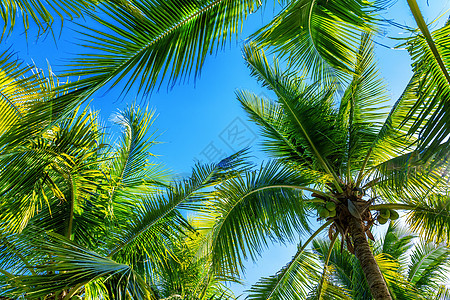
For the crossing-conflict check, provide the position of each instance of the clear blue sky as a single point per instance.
(197, 122)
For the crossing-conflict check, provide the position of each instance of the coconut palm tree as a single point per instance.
(340, 154)
(140, 43)
(414, 269)
(147, 41)
(83, 216)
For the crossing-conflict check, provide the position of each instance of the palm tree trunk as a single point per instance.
(364, 254)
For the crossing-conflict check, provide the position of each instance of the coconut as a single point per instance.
(381, 220)
(331, 206)
(384, 213)
(393, 214)
(332, 214)
(323, 213)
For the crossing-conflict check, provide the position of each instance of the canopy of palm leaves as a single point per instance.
(67, 195)
(139, 43)
(85, 215)
(143, 42)
(412, 268)
(331, 147)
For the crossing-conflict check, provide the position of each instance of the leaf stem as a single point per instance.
(415, 10)
(392, 206)
(325, 265)
(299, 252)
(72, 204)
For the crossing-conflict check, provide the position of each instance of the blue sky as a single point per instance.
(203, 121)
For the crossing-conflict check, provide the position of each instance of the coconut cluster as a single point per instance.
(328, 210)
(385, 214)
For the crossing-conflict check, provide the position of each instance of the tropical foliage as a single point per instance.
(83, 217)
(412, 268)
(339, 155)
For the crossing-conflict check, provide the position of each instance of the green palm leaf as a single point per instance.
(41, 13)
(430, 55)
(252, 209)
(427, 270)
(158, 218)
(143, 40)
(430, 217)
(72, 266)
(19, 88)
(321, 37)
(294, 281)
(130, 173)
(308, 111)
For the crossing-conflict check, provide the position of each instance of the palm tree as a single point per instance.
(339, 153)
(142, 43)
(145, 41)
(83, 217)
(414, 269)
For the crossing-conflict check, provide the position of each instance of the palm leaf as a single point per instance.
(408, 175)
(72, 266)
(308, 111)
(430, 55)
(252, 209)
(362, 107)
(158, 218)
(294, 281)
(19, 88)
(427, 269)
(142, 41)
(321, 37)
(129, 171)
(431, 217)
(41, 13)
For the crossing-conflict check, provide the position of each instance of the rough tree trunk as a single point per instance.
(364, 254)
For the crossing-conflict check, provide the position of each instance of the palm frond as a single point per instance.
(253, 208)
(409, 174)
(431, 64)
(71, 266)
(158, 217)
(308, 111)
(56, 165)
(427, 269)
(142, 41)
(431, 217)
(294, 281)
(395, 243)
(321, 37)
(131, 174)
(362, 106)
(41, 13)
(19, 88)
